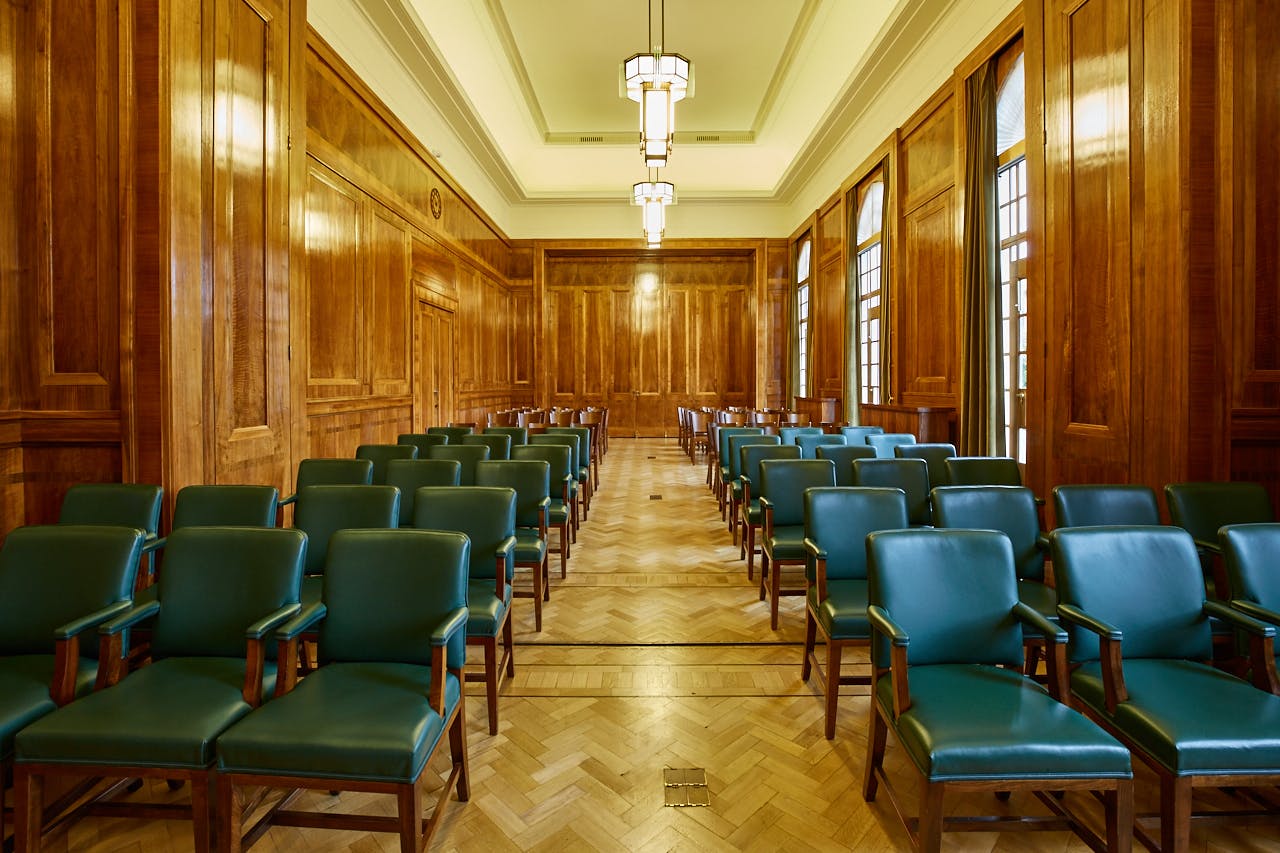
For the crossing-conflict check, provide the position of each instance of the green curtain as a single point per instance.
(981, 354)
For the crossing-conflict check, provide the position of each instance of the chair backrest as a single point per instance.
(1146, 581)
(334, 472)
(1094, 506)
(467, 455)
(788, 433)
(733, 461)
(485, 514)
(558, 456)
(910, 475)
(570, 441)
(518, 435)
(935, 457)
(1252, 554)
(885, 442)
(225, 506)
(809, 443)
(499, 445)
(797, 418)
(1201, 508)
(53, 574)
(386, 590)
(584, 441)
(839, 519)
(455, 433)
(323, 510)
(535, 416)
(530, 478)
(952, 591)
(422, 440)
(409, 475)
(858, 434)
(783, 481)
(117, 504)
(563, 417)
(1008, 509)
(723, 434)
(381, 454)
(753, 454)
(218, 581)
(983, 471)
(843, 455)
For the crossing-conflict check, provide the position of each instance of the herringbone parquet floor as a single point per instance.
(655, 652)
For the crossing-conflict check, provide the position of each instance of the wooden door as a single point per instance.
(249, 285)
(649, 338)
(433, 343)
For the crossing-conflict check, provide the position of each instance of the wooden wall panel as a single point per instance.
(335, 430)
(13, 340)
(335, 343)
(927, 343)
(387, 324)
(522, 339)
(928, 152)
(770, 344)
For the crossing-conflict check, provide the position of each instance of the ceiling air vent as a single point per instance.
(591, 139)
(705, 137)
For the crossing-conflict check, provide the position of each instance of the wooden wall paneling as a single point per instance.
(828, 314)
(1088, 240)
(522, 338)
(13, 280)
(336, 339)
(594, 344)
(621, 331)
(738, 376)
(387, 325)
(688, 355)
(927, 150)
(770, 342)
(927, 318)
(338, 428)
(649, 380)
(1036, 472)
(564, 322)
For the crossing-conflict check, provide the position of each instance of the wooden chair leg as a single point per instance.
(491, 681)
(564, 552)
(1119, 806)
(201, 811)
(546, 577)
(764, 573)
(929, 824)
(509, 643)
(810, 638)
(775, 593)
(458, 751)
(28, 803)
(832, 687)
(877, 732)
(409, 814)
(539, 582)
(1175, 814)
(230, 817)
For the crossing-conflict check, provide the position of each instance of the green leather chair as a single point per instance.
(381, 454)
(487, 517)
(57, 584)
(587, 479)
(223, 591)
(1202, 508)
(467, 455)
(423, 441)
(810, 443)
(409, 475)
(720, 478)
(733, 459)
(935, 456)
(330, 472)
(531, 480)
(910, 475)
(749, 509)
(375, 712)
(983, 471)
(782, 486)
(843, 455)
(1133, 600)
(577, 492)
(857, 435)
(946, 617)
(453, 433)
(557, 457)
(225, 506)
(1010, 510)
(885, 442)
(789, 434)
(324, 510)
(518, 435)
(1252, 556)
(1099, 505)
(499, 445)
(836, 523)
(118, 504)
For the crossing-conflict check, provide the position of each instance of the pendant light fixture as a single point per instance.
(656, 81)
(654, 196)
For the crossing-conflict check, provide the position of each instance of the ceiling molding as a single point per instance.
(803, 21)
(516, 61)
(632, 137)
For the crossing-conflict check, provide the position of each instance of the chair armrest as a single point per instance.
(259, 629)
(898, 641)
(93, 620)
(303, 621)
(1038, 621)
(815, 550)
(1042, 542)
(454, 622)
(766, 519)
(1055, 640)
(505, 556)
(255, 655)
(1076, 616)
(154, 544)
(135, 614)
(293, 498)
(1245, 615)
(1109, 640)
(1210, 545)
(881, 621)
(287, 636)
(66, 652)
(440, 637)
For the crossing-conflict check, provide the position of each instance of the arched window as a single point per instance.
(803, 291)
(870, 288)
(1011, 217)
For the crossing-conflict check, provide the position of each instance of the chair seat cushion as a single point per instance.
(975, 722)
(366, 721)
(1039, 597)
(484, 611)
(24, 692)
(1190, 717)
(530, 548)
(787, 543)
(168, 714)
(843, 613)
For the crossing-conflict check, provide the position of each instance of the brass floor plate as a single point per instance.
(686, 795)
(680, 776)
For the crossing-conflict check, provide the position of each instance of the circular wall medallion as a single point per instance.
(436, 204)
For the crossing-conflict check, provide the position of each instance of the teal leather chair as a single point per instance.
(1010, 510)
(782, 486)
(1202, 508)
(118, 504)
(983, 471)
(885, 442)
(836, 523)
(857, 435)
(809, 443)
(518, 435)
(409, 475)
(577, 488)
(1099, 505)
(948, 630)
(58, 583)
(466, 455)
(790, 433)
(388, 689)
(487, 517)
(225, 506)
(453, 433)
(531, 480)
(1133, 600)
(499, 445)
(381, 454)
(330, 472)
(720, 478)
(587, 480)
(557, 457)
(423, 441)
(749, 509)
(843, 455)
(324, 510)
(733, 461)
(223, 591)
(910, 475)
(1252, 555)
(935, 456)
